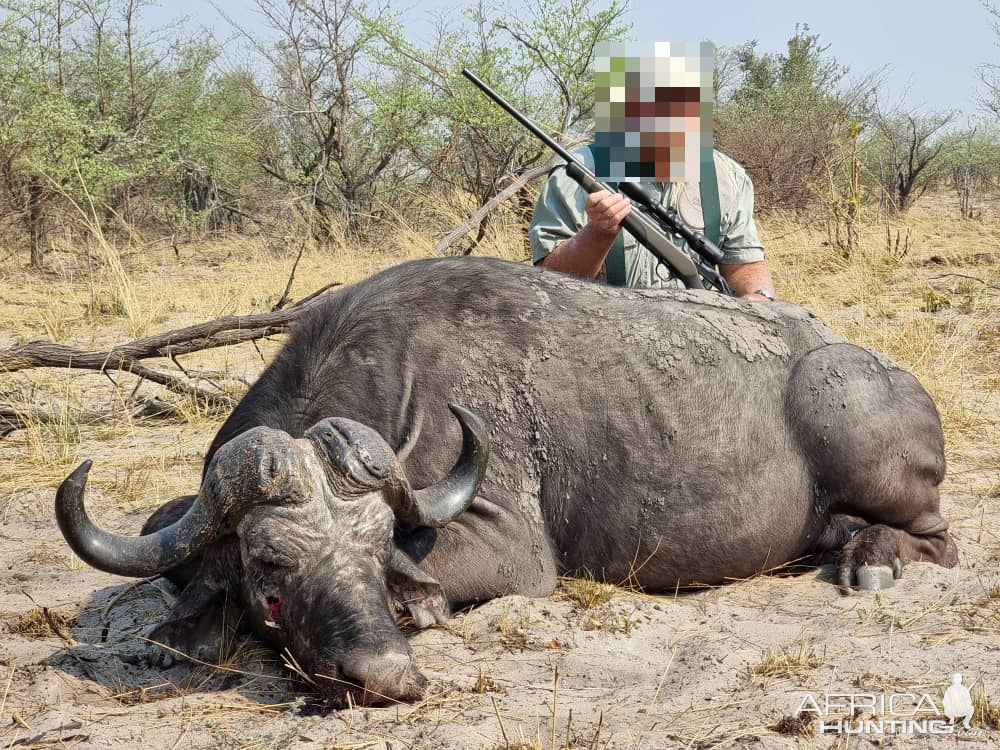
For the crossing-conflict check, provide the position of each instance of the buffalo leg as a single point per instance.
(203, 626)
(874, 442)
(875, 556)
(205, 619)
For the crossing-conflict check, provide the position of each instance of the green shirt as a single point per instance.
(559, 214)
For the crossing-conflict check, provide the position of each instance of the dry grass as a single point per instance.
(487, 682)
(802, 725)
(586, 592)
(796, 661)
(987, 713)
(612, 622)
(41, 622)
(80, 303)
(513, 628)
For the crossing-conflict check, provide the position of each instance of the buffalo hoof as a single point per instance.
(171, 643)
(878, 577)
(153, 656)
(872, 560)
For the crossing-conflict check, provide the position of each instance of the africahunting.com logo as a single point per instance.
(894, 713)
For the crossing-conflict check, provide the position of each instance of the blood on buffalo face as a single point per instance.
(299, 532)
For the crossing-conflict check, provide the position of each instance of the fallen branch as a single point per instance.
(20, 416)
(47, 354)
(964, 276)
(224, 331)
(477, 218)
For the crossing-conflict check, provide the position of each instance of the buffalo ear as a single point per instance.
(420, 593)
(205, 633)
(206, 618)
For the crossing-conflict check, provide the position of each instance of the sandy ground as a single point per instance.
(717, 668)
(634, 672)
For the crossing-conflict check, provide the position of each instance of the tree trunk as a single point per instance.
(36, 225)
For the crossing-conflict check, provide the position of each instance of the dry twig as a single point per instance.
(483, 211)
(224, 331)
(964, 276)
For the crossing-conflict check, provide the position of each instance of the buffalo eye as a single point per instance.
(270, 557)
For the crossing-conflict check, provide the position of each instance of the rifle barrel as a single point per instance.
(538, 133)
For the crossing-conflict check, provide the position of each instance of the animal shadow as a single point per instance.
(112, 649)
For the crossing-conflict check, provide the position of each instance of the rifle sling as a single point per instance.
(711, 209)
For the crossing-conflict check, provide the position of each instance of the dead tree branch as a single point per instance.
(224, 331)
(965, 276)
(483, 211)
(284, 299)
(20, 416)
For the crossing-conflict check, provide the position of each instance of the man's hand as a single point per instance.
(606, 211)
(583, 254)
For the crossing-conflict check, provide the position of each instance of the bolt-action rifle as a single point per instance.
(649, 222)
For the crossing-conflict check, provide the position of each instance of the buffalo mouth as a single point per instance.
(268, 470)
(335, 691)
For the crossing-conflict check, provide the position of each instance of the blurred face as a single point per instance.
(653, 113)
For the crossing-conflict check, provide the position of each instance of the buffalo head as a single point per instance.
(296, 538)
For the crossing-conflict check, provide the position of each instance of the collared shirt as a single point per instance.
(559, 214)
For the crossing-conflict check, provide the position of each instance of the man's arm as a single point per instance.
(746, 278)
(583, 254)
(743, 266)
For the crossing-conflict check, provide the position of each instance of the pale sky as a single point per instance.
(931, 46)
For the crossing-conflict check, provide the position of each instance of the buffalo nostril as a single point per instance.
(362, 666)
(390, 676)
(328, 434)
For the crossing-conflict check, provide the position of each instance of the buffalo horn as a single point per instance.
(438, 504)
(151, 554)
(136, 556)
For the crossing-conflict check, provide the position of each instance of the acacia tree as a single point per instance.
(971, 158)
(908, 149)
(566, 59)
(784, 116)
(989, 72)
(539, 62)
(95, 109)
(33, 116)
(332, 141)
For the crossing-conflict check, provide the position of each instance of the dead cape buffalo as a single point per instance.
(667, 438)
